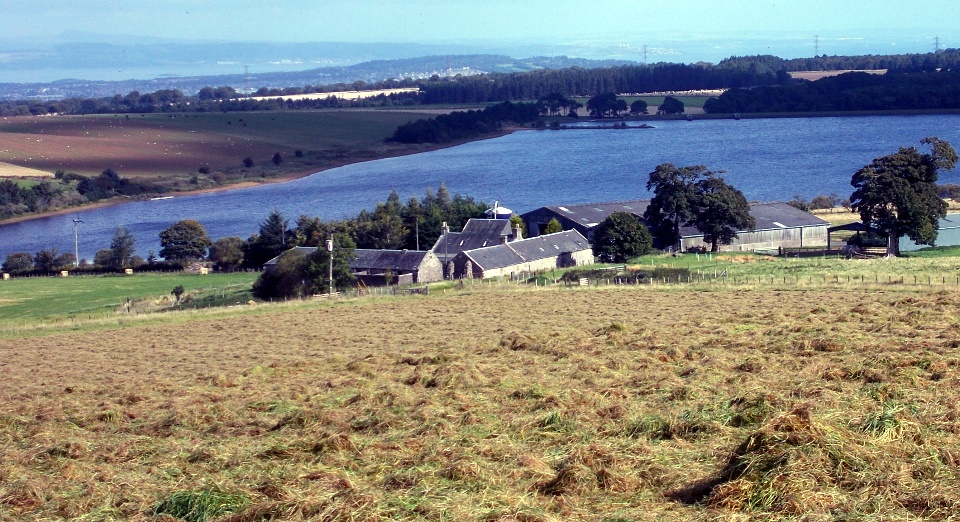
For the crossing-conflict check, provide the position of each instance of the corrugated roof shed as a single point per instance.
(527, 250)
(397, 260)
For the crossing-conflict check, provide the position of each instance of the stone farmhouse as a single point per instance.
(376, 267)
(777, 224)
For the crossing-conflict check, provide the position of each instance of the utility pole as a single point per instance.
(76, 242)
(816, 45)
(330, 251)
(644, 54)
(936, 44)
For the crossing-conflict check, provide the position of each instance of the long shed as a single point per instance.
(563, 249)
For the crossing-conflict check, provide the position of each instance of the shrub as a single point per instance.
(248, 162)
(200, 505)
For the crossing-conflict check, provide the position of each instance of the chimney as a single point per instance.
(517, 232)
(444, 229)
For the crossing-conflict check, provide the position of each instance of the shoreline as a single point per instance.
(283, 178)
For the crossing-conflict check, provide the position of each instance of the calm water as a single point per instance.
(768, 159)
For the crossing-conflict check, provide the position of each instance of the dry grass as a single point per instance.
(614, 404)
(9, 170)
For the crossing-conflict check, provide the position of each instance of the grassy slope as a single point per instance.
(530, 405)
(26, 300)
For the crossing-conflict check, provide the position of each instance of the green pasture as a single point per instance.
(655, 101)
(927, 266)
(30, 299)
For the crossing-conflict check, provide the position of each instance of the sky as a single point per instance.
(458, 20)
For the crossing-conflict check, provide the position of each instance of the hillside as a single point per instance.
(549, 405)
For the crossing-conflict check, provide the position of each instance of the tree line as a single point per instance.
(393, 224)
(854, 91)
(67, 190)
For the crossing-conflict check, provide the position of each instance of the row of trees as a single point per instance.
(459, 125)
(855, 91)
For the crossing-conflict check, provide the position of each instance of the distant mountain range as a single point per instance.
(369, 71)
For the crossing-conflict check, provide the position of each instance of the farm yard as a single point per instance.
(658, 402)
(164, 145)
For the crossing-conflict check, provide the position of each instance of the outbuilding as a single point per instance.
(561, 250)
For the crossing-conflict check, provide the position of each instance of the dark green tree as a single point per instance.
(287, 279)
(553, 226)
(898, 193)
(674, 201)
(47, 260)
(121, 248)
(621, 236)
(227, 253)
(248, 162)
(670, 105)
(277, 159)
(721, 211)
(638, 107)
(18, 262)
(185, 240)
(603, 105)
(318, 268)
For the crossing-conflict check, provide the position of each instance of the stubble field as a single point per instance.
(538, 405)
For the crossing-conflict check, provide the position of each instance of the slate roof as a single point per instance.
(300, 250)
(591, 214)
(477, 233)
(527, 250)
(396, 260)
(769, 216)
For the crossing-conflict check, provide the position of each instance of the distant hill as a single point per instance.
(369, 71)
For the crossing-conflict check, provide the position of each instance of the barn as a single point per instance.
(777, 224)
(563, 249)
(381, 267)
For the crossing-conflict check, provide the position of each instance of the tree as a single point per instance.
(121, 248)
(721, 210)
(271, 239)
(102, 257)
(621, 236)
(603, 104)
(670, 105)
(185, 240)
(898, 193)
(277, 159)
(18, 262)
(248, 162)
(227, 253)
(46, 260)
(553, 226)
(517, 221)
(674, 201)
(318, 268)
(299, 274)
(177, 292)
(638, 107)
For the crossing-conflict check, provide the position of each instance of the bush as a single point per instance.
(248, 162)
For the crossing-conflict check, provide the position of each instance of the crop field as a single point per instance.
(613, 404)
(177, 144)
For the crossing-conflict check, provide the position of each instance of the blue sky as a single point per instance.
(445, 20)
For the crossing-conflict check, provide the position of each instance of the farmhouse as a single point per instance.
(477, 233)
(777, 224)
(560, 250)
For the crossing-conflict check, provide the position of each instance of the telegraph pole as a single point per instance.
(330, 251)
(936, 44)
(816, 45)
(76, 242)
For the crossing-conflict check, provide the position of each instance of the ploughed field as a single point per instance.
(538, 405)
(178, 144)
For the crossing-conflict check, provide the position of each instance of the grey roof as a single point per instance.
(477, 233)
(397, 260)
(769, 216)
(527, 250)
(591, 214)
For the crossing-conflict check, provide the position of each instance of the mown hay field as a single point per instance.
(540, 405)
(178, 144)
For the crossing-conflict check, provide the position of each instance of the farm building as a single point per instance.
(948, 234)
(777, 224)
(374, 267)
(560, 250)
(582, 218)
(477, 233)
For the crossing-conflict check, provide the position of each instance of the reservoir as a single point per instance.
(767, 159)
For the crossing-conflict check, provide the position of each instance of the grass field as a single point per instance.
(538, 405)
(152, 145)
(28, 300)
